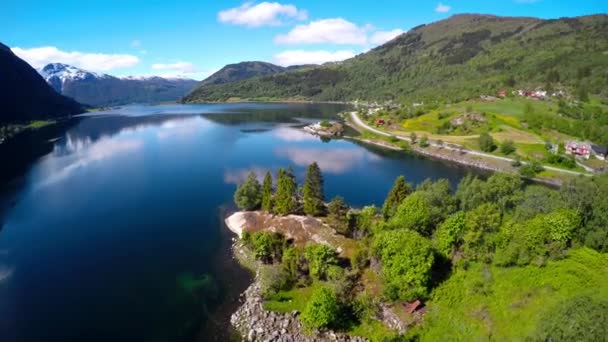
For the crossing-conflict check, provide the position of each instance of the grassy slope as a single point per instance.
(504, 304)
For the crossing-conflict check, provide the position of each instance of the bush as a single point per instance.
(322, 311)
(320, 258)
(486, 142)
(507, 147)
(267, 246)
(424, 141)
(531, 169)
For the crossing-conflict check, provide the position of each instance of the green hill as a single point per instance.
(450, 60)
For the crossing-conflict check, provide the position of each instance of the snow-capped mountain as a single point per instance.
(105, 90)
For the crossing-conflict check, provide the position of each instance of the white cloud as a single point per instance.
(441, 8)
(262, 14)
(381, 37)
(184, 67)
(136, 43)
(297, 57)
(326, 31)
(41, 56)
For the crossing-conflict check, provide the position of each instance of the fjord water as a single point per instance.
(116, 234)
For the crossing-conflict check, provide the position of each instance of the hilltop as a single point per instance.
(449, 60)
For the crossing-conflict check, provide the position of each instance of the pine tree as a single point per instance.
(248, 195)
(285, 199)
(267, 192)
(398, 193)
(313, 191)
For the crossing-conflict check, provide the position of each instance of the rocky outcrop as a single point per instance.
(256, 324)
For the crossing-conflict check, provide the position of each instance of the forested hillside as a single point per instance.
(450, 60)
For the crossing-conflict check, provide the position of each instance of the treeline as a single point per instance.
(422, 234)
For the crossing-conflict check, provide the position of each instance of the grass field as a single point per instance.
(504, 304)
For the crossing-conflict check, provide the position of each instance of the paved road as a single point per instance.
(362, 124)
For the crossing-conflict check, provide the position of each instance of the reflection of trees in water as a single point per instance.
(288, 114)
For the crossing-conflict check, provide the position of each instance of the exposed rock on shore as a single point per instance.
(300, 229)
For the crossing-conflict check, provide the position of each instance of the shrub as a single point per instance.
(424, 141)
(322, 310)
(320, 258)
(486, 142)
(531, 169)
(507, 147)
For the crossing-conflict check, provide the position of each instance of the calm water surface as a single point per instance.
(116, 234)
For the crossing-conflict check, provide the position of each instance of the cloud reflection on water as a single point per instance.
(290, 134)
(331, 160)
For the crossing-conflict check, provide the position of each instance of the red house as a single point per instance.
(502, 93)
(413, 306)
(380, 122)
(578, 148)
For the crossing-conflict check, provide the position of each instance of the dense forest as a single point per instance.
(494, 259)
(448, 61)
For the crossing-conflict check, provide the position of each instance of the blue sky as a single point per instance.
(195, 38)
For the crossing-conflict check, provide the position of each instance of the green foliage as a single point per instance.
(581, 318)
(322, 310)
(398, 193)
(325, 123)
(531, 169)
(414, 214)
(267, 192)
(439, 199)
(320, 258)
(424, 141)
(537, 199)
(481, 223)
(450, 233)
(413, 137)
(338, 213)
(407, 259)
(486, 142)
(247, 195)
(285, 198)
(502, 189)
(507, 147)
(267, 246)
(313, 191)
(364, 221)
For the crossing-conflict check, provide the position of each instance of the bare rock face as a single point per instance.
(256, 324)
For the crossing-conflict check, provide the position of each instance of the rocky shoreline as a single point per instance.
(256, 324)
(251, 320)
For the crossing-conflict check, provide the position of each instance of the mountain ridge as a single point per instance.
(235, 72)
(449, 60)
(97, 89)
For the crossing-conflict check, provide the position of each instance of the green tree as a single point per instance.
(439, 199)
(480, 224)
(247, 195)
(413, 137)
(320, 258)
(413, 213)
(507, 147)
(285, 198)
(531, 169)
(486, 142)
(267, 192)
(338, 213)
(398, 193)
(267, 246)
(314, 197)
(449, 234)
(322, 310)
(407, 259)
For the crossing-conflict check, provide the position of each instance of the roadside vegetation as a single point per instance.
(494, 259)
